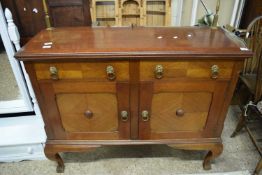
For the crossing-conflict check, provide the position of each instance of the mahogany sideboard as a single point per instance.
(131, 86)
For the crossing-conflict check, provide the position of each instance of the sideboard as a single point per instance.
(132, 86)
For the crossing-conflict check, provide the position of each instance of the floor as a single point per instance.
(239, 155)
(8, 86)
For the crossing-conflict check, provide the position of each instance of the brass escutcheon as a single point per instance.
(159, 71)
(110, 73)
(53, 73)
(145, 115)
(214, 71)
(124, 116)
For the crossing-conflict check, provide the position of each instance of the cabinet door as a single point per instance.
(180, 109)
(77, 109)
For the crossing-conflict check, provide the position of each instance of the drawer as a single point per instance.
(93, 71)
(150, 70)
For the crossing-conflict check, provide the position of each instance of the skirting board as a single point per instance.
(21, 138)
(22, 152)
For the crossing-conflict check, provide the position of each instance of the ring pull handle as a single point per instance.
(214, 72)
(53, 73)
(159, 71)
(110, 73)
(145, 115)
(89, 114)
(124, 116)
(180, 112)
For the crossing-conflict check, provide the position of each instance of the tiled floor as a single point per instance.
(239, 155)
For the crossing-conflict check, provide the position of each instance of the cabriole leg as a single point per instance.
(60, 163)
(211, 155)
(214, 150)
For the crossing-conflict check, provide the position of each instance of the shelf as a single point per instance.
(155, 12)
(155, 0)
(136, 15)
(105, 17)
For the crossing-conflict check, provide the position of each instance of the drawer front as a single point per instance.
(184, 69)
(93, 71)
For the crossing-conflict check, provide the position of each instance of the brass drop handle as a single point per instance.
(88, 114)
(53, 72)
(110, 73)
(124, 116)
(180, 112)
(145, 115)
(214, 71)
(159, 71)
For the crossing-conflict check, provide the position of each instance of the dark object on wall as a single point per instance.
(252, 9)
(29, 15)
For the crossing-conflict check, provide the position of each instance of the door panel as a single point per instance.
(193, 108)
(180, 109)
(86, 110)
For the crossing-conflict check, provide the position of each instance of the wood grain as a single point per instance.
(128, 43)
(83, 108)
(164, 107)
(85, 70)
(185, 69)
(72, 108)
(65, 108)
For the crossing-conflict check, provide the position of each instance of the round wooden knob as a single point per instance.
(88, 114)
(180, 112)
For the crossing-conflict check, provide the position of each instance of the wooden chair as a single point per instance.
(251, 81)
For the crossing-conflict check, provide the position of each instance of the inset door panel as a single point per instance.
(180, 109)
(170, 111)
(86, 110)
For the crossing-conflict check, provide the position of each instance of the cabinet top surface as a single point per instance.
(127, 42)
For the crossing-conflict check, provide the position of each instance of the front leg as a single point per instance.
(56, 157)
(214, 150)
(52, 151)
(213, 153)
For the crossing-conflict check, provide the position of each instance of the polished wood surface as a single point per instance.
(193, 108)
(88, 112)
(185, 69)
(88, 71)
(143, 42)
(162, 90)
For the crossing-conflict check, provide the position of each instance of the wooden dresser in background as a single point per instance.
(132, 86)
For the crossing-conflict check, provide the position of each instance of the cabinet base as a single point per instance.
(53, 148)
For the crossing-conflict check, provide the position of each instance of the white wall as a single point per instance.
(225, 13)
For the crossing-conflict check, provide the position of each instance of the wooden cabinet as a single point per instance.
(131, 12)
(110, 86)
